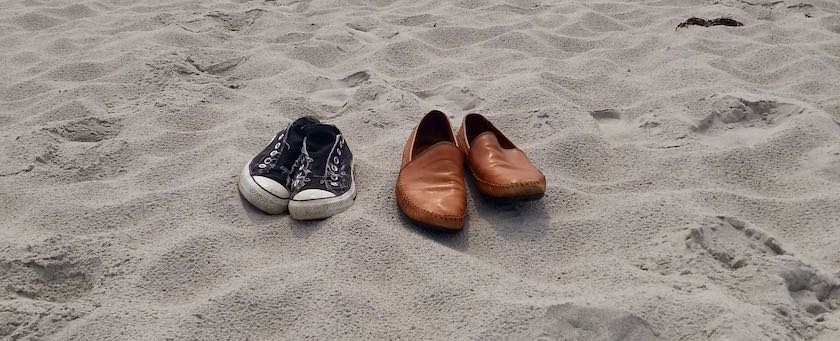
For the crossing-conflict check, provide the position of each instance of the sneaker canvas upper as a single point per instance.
(272, 167)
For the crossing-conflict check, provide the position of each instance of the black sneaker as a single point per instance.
(264, 181)
(322, 182)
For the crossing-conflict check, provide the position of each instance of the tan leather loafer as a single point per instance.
(499, 169)
(430, 187)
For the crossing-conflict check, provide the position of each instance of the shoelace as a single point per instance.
(302, 170)
(330, 178)
(333, 174)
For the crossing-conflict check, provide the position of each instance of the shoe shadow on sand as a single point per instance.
(454, 240)
(303, 228)
(573, 322)
(254, 214)
(512, 219)
(300, 229)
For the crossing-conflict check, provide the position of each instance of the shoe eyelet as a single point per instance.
(262, 165)
(277, 146)
(335, 159)
(274, 152)
(281, 137)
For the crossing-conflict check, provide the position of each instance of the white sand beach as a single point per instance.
(693, 174)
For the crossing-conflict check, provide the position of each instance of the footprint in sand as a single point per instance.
(451, 97)
(370, 30)
(611, 124)
(45, 286)
(732, 243)
(735, 244)
(728, 121)
(643, 131)
(571, 322)
(82, 150)
(230, 22)
(730, 112)
(90, 129)
(213, 66)
(332, 95)
(813, 291)
(56, 279)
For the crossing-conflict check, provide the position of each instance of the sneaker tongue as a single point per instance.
(294, 138)
(306, 121)
(322, 128)
(320, 137)
(297, 130)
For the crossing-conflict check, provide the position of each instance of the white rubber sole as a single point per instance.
(259, 197)
(323, 208)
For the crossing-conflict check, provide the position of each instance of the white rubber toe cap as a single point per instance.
(312, 194)
(272, 186)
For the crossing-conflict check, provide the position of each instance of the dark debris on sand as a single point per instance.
(706, 23)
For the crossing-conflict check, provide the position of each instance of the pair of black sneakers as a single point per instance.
(307, 169)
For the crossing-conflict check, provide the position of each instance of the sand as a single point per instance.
(693, 174)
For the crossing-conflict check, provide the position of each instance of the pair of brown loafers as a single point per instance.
(430, 186)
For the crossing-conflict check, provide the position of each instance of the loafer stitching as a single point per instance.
(418, 208)
(513, 185)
